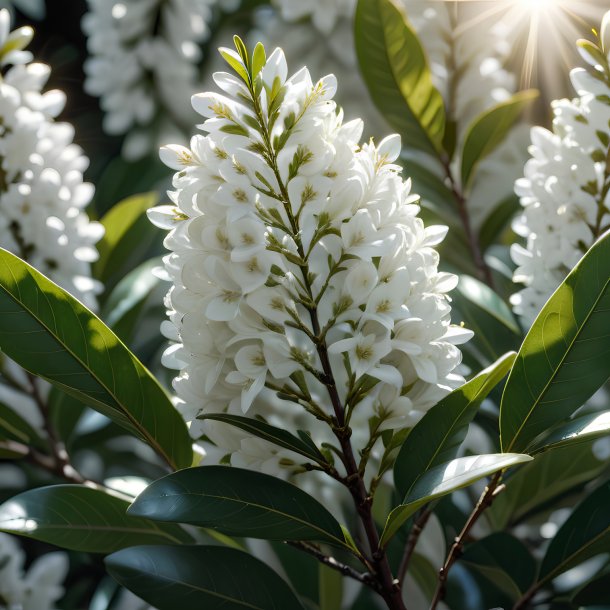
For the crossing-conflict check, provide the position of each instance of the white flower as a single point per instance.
(143, 64)
(564, 191)
(42, 193)
(307, 272)
(39, 587)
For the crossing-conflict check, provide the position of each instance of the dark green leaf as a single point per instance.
(565, 357)
(540, 483)
(396, 72)
(303, 446)
(80, 518)
(238, 502)
(52, 335)
(15, 428)
(65, 412)
(126, 302)
(331, 588)
(200, 577)
(129, 235)
(497, 221)
(504, 560)
(446, 479)
(436, 439)
(489, 130)
(483, 311)
(594, 593)
(585, 534)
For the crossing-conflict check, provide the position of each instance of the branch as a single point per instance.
(485, 501)
(414, 534)
(366, 578)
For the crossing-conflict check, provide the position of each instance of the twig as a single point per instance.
(414, 534)
(63, 467)
(485, 501)
(377, 563)
(527, 597)
(366, 578)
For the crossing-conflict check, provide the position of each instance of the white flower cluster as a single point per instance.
(42, 193)
(144, 66)
(565, 191)
(38, 588)
(298, 261)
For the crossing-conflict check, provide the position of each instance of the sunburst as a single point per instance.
(544, 34)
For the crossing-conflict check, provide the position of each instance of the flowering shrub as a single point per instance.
(357, 417)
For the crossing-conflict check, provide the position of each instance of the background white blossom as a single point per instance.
(38, 587)
(564, 191)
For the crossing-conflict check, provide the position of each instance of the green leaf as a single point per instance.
(198, 577)
(594, 593)
(126, 302)
(395, 69)
(303, 445)
(51, 334)
(446, 479)
(504, 560)
(489, 129)
(129, 235)
(331, 588)
(585, 534)
(65, 411)
(540, 483)
(238, 502)
(15, 428)
(565, 357)
(80, 518)
(497, 221)
(577, 430)
(483, 311)
(258, 59)
(436, 439)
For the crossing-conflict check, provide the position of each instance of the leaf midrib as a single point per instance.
(259, 506)
(152, 441)
(560, 364)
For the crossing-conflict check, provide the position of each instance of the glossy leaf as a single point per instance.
(498, 221)
(238, 502)
(198, 577)
(13, 427)
(436, 439)
(565, 357)
(504, 560)
(65, 412)
(594, 593)
(489, 130)
(484, 312)
(550, 476)
(80, 518)
(52, 335)
(303, 445)
(396, 72)
(578, 430)
(585, 534)
(128, 236)
(446, 479)
(126, 302)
